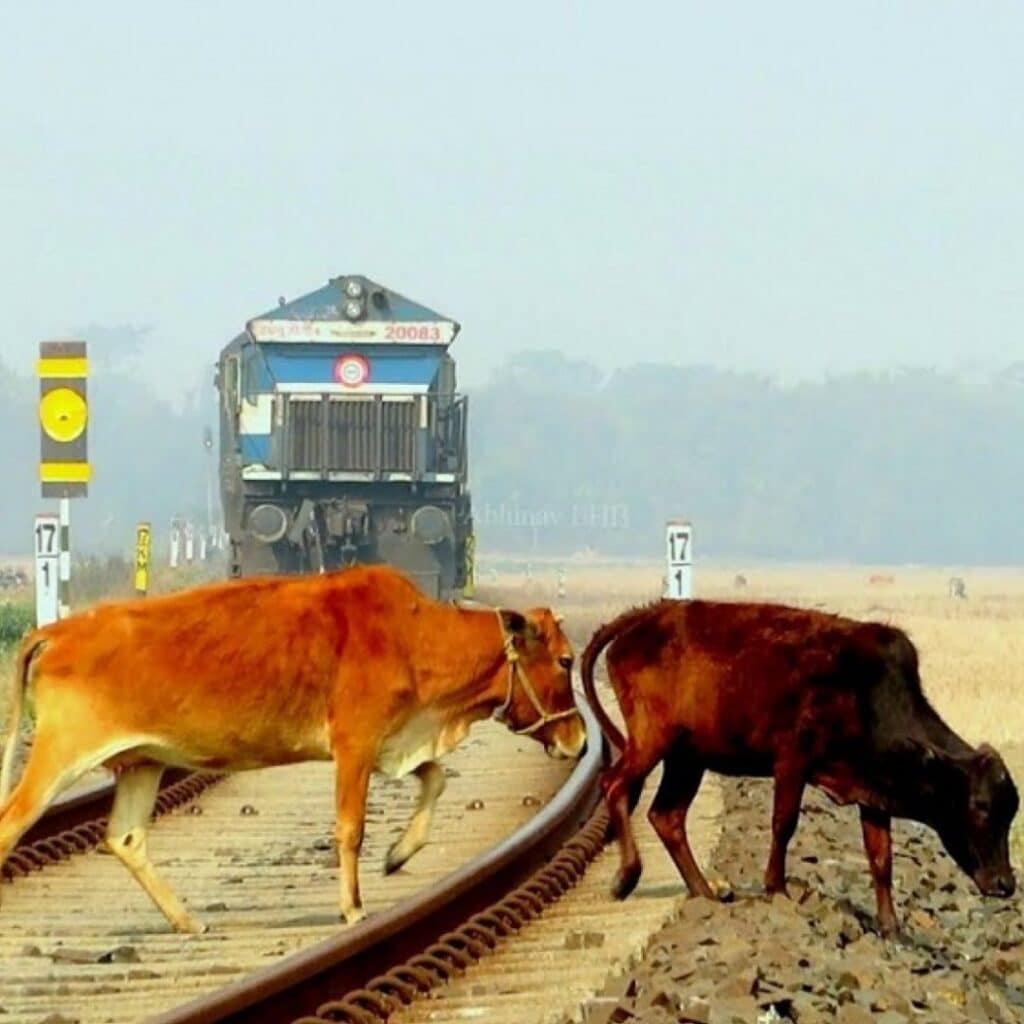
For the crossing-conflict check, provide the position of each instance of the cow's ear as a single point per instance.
(987, 759)
(514, 622)
(985, 754)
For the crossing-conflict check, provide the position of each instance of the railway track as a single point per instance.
(75, 823)
(254, 859)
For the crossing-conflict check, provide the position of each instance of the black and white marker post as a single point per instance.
(679, 559)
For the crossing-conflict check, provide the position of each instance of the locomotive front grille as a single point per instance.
(352, 434)
(331, 433)
(303, 434)
(398, 441)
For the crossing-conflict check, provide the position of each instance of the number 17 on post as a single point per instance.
(47, 548)
(679, 560)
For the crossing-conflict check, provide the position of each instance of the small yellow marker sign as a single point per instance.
(143, 546)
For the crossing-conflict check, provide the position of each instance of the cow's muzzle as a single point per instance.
(1000, 884)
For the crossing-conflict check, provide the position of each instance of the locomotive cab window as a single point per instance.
(231, 384)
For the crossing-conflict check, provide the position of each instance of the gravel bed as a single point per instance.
(818, 956)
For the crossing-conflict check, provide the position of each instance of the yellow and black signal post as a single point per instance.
(63, 419)
(64, 452)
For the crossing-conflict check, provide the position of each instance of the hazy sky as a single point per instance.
(789, 187)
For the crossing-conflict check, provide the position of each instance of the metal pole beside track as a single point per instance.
(64, 562)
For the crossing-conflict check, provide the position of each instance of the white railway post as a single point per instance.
(189, 541)
(679, 559)
(175, 554)
(47, 548)
(561, 583)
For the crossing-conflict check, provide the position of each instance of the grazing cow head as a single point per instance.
(539, 701)
(976, 832)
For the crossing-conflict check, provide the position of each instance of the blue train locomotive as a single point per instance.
(343, 439)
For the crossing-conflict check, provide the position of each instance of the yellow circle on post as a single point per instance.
(63, 414)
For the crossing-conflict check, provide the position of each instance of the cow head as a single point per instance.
(539, 701)
(976, 831)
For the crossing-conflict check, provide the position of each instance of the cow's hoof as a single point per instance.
(625, 882)
(394, 860)
(355, 915)
(724, 893)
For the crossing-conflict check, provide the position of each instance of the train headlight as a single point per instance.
(353, 289)
(431, 525)
(353, 309)
(268, 523)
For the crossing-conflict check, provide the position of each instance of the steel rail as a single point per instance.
(66, 812)
(345, 963)
(77, 822)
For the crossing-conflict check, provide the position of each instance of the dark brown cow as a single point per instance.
(806, 697)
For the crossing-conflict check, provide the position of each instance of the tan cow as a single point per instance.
(356, 666)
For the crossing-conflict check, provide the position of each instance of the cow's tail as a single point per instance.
(29, 648)
(598, 642)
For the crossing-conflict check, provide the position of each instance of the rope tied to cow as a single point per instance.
(516, 671)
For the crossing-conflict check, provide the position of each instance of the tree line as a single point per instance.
(905, 466)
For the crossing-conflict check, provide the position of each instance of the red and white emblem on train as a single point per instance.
(351, 371)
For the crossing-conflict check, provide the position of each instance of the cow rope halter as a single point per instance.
(516, 671)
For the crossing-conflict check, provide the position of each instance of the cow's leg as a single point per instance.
(50, 769)
(790, 779)
(636, 791)
(352, 780)
(875, 826)
(432, 783)
(134, 798)
(679, 784)
(624, 778)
